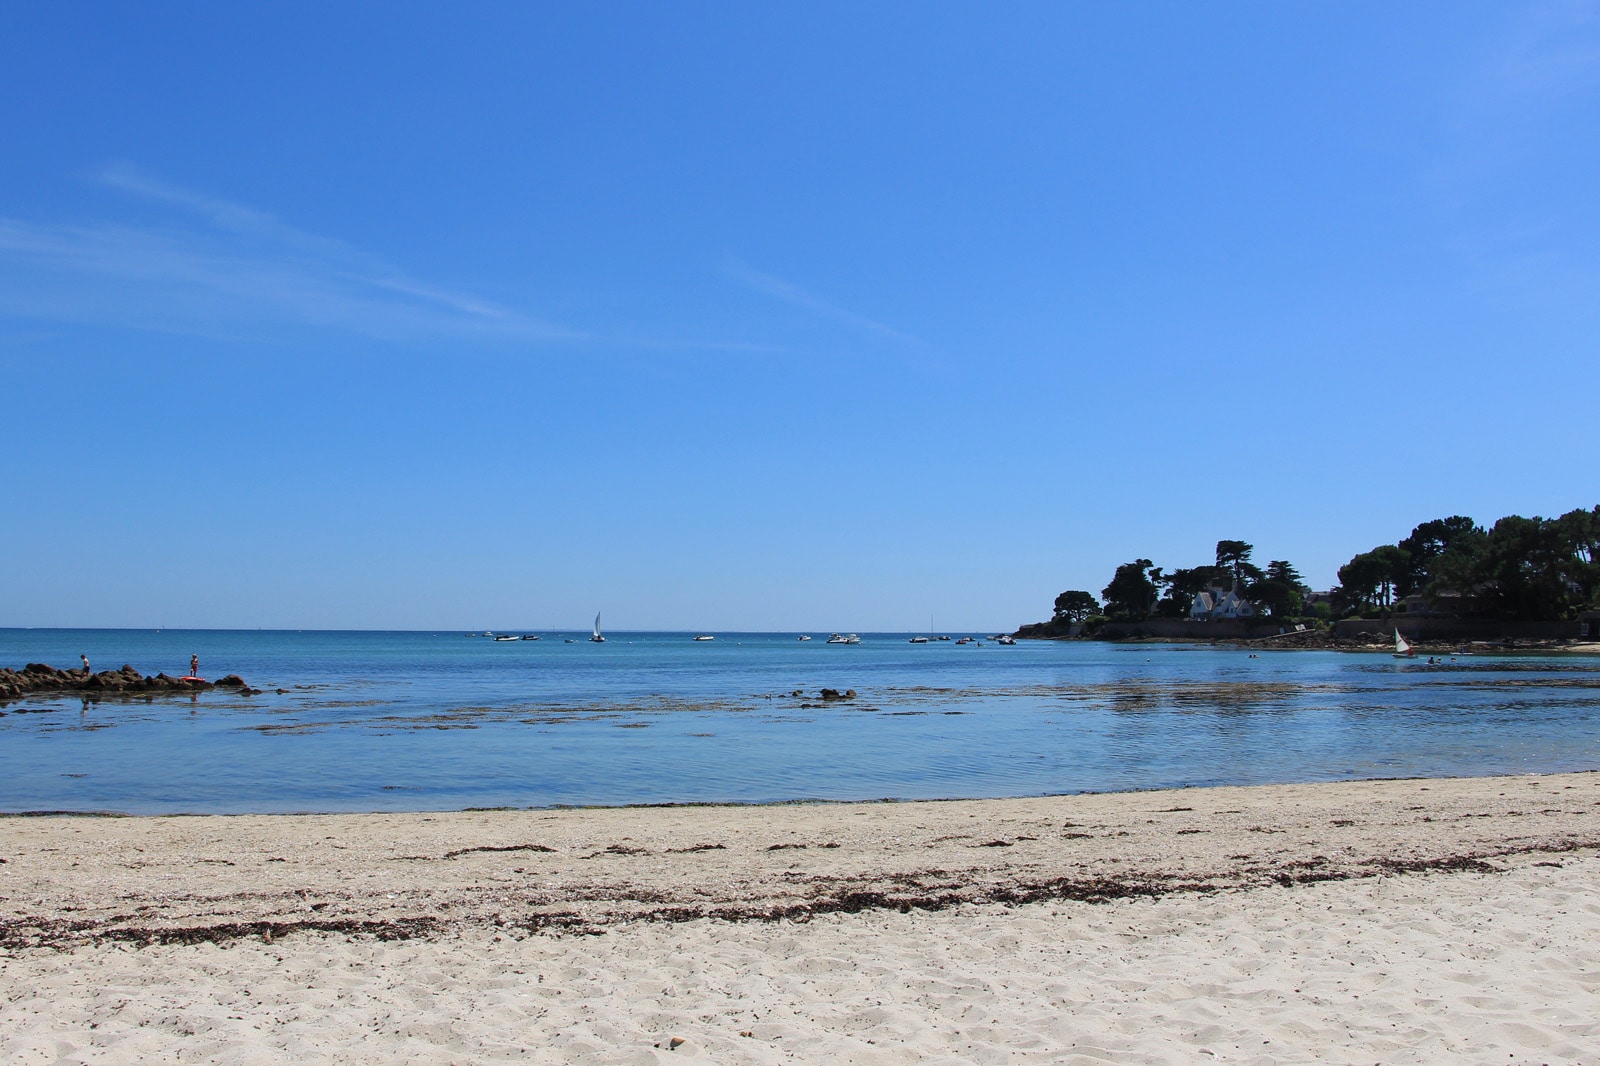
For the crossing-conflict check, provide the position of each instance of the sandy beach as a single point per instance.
(1394, 921)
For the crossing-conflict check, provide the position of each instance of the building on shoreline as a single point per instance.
(1214, 605)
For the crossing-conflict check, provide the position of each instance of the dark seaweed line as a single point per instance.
(494, 848)
(60, 934)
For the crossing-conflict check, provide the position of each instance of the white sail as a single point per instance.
(597, 624)
(1400, 645)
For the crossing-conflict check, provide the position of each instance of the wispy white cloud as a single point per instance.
(221, 266)
(806, 300)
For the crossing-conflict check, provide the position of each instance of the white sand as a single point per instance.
(1481, 961)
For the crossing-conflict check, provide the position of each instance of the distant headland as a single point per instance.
(1450, 581)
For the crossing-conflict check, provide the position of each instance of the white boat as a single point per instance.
(507, 637)
(704, 636)
(1005, 639)
(1402, 650)
(843, 638)
(918, 640)
(597, 638)
(803, 636)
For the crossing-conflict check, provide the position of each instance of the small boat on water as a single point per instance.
(704, 636)
(1005, 639)
(529, 636)
(1402, 650)
(597, 638)
(803, 636)
(918, 640)
(843, 638)
(506, 636)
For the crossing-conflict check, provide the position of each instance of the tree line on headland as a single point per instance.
(1516, 569)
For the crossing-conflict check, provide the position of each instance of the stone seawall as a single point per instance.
(1424, 628)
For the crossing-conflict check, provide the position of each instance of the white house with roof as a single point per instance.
(1216, 604)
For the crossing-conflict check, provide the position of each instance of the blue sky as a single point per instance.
(811, 316)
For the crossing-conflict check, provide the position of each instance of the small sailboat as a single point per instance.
(597, 638)
(1402, 650)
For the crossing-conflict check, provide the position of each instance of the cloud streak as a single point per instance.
(798, 296)
(225, 267)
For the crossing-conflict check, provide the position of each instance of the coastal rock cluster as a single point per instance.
(41, 677)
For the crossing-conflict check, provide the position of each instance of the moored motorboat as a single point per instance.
(843, 638)
(704, 636)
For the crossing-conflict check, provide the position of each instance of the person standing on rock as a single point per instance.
(85, 659)
(194, 666)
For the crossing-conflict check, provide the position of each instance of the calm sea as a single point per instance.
(436, 721)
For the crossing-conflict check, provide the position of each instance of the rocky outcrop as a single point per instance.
(36, 678)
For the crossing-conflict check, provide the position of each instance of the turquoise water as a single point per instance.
(437, 721)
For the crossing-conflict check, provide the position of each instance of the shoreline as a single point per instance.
(736, 805)
(1416, 920)
(1313, 640)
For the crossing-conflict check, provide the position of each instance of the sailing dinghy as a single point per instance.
(1402, 650)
